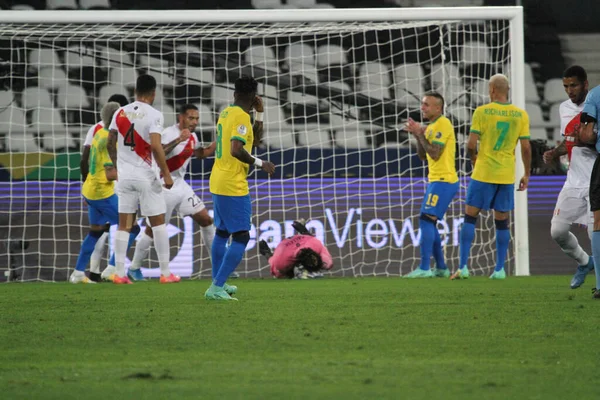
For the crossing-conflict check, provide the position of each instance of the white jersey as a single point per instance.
(91, 132)
(581, 158)
(179, 158)
(135, 122)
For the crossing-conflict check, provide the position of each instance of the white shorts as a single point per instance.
(573, 206)
(182, 199)
(148, 195)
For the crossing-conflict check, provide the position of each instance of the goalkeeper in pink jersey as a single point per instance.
(302, 251)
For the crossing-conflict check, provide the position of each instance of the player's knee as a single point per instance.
(241, 237)
(136, 230)
(148, 231)
(96, 234)
(428, 218)
(501, 224)
(469, 219)
(559, 231)
(222, 233)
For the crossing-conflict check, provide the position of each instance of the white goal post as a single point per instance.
(245, 25)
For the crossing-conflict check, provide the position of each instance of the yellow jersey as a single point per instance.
(440, 131)
(499, 126)
(229, 175)
(96, 185)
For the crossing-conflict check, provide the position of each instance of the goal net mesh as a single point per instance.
(336, 95)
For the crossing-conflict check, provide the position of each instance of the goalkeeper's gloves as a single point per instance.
(299, 226)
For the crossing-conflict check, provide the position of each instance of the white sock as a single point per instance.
(97, 254)
(208, 234)
(561, 233)
(161, 244)
(142, 249)
(121, 240)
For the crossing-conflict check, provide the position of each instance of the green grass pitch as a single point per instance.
(367, 338)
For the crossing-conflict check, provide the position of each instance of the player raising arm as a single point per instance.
(98, 191)
(229, 184)
(573, 203)
(436, 143)
(498, 127)
(588, 134)
(180, 143)
(138, 127)
(302, 251)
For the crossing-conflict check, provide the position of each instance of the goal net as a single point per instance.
(337, 95)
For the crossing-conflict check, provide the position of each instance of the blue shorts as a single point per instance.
(491, 196)
(232, 213)
(438, 197)
(104, 211)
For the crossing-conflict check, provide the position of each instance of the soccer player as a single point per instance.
(589, 119)
(84, 168)
(303, 251)
(572, 205)
(436, 143)
(179, 143)
(498, 127)
(229, 183)
(98, 191)
(138, 127)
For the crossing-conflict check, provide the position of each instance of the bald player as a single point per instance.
(497, 126)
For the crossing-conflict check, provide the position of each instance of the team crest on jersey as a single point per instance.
(438, 135)
(242, 130)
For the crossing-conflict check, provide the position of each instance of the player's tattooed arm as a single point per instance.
(185, 135)
(555, 153)
(472, 148)
(433, 149)
(111, 145)
(205, 152)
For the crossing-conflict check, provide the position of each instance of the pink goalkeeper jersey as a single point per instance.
(284, 257)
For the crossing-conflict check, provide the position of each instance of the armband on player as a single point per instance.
(586, 118)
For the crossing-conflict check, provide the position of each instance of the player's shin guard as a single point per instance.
(502, 241)
(232, 258)
(87, 248)
(427, 239)
(438, 252)
(142, 250)
(97, 254)
(561, 233)
(217, 251)
(467, 234)
(161, 244)
(121, 240)
(208, 235)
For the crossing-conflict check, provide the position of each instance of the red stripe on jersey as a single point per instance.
(572, 133)
(177, 161)
(97, 128)
(141, 148)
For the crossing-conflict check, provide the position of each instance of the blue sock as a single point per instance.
(467, 234)
(502, 240)
(135, 231)
(218, 249)
(438, 253)
(87, 248)
(427, 238)
(232, 257)
(596, 255)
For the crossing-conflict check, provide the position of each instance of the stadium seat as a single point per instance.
(531, 93)
(333, 93)
(313, 136)
(535, 114)
(299, 98)
(79, 56)
(556, 136)
(207, 119)
(302, 3)
(125, 76)
(281, 138)
(222, 96)
(56, 141)
(374, 73)
(36, 97)
(408, 79)
(22, 7)
(94, 4)
(475, 52)
(61, 5)
(7, 97)
(115, 58)
(52, 78)
(72, 97)
(154, 62)
(262, 57)
(555, 113)
(376, 92)
(455, 93)
(43, 58)
(108, 90)
(298, 56)
(164, 79)
(47, 120)
(460, 113)
(199, 76)
(169, 114)
(330, 54)
(351, 136)
(12, 119)
(267, 4)
(268, 93)
(408, 99)
(554, 91)
(442, 75)
(538, 134)
(480, 89)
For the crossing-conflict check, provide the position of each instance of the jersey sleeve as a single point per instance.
(563, 121)
(476, 122)
(157, 122)
(591, 104)
(524, 134)
(241, 127)
(89, 136)
(444, 132)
